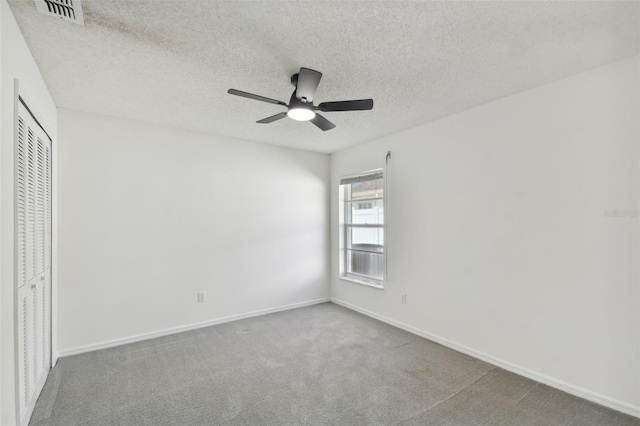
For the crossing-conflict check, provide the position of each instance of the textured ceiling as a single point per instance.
(171, 62)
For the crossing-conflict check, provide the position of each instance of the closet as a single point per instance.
(33, 258)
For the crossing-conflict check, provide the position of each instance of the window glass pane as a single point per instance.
(364, 234)
(367, 212)
(366, 239)
(369, 189)
(368, 264)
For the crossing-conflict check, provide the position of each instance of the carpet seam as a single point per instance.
(447, 398)
(527, 393)
(488, 421)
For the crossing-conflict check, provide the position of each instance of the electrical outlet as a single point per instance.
(202, 296)
(403, 298)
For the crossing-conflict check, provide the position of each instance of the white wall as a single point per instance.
(16, 62)
(150, 215)
(497, 232)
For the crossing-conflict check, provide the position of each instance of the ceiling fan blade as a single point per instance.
(359, 105)
(255, 97)
(322, 123)
(272, 118)
(308, 81)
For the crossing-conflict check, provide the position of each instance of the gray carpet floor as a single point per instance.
(322, 364)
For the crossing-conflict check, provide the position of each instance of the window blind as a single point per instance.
(374, 175)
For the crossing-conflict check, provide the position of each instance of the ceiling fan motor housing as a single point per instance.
(294, 102)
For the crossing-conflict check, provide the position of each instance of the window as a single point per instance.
(362, 228)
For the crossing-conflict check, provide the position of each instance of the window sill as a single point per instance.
(378, 286)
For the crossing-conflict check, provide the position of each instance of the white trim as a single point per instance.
(34, 109)
(14, 286)
(352, 279)
(174, 330)
(615, 404)
(54, 250)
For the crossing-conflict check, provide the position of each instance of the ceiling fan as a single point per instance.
(301, 106)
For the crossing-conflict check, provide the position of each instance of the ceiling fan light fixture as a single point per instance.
(301, 114)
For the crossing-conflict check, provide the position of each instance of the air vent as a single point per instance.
(69, 10)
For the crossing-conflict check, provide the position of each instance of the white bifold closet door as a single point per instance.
(33, 259)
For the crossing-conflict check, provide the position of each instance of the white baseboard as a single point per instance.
(173, 330)
(615, 404)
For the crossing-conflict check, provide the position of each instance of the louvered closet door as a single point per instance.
(33, 245)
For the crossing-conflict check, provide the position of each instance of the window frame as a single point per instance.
(345, 202)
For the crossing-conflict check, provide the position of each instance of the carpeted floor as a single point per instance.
(322, 364)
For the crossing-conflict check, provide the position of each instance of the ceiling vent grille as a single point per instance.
(69, 10)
